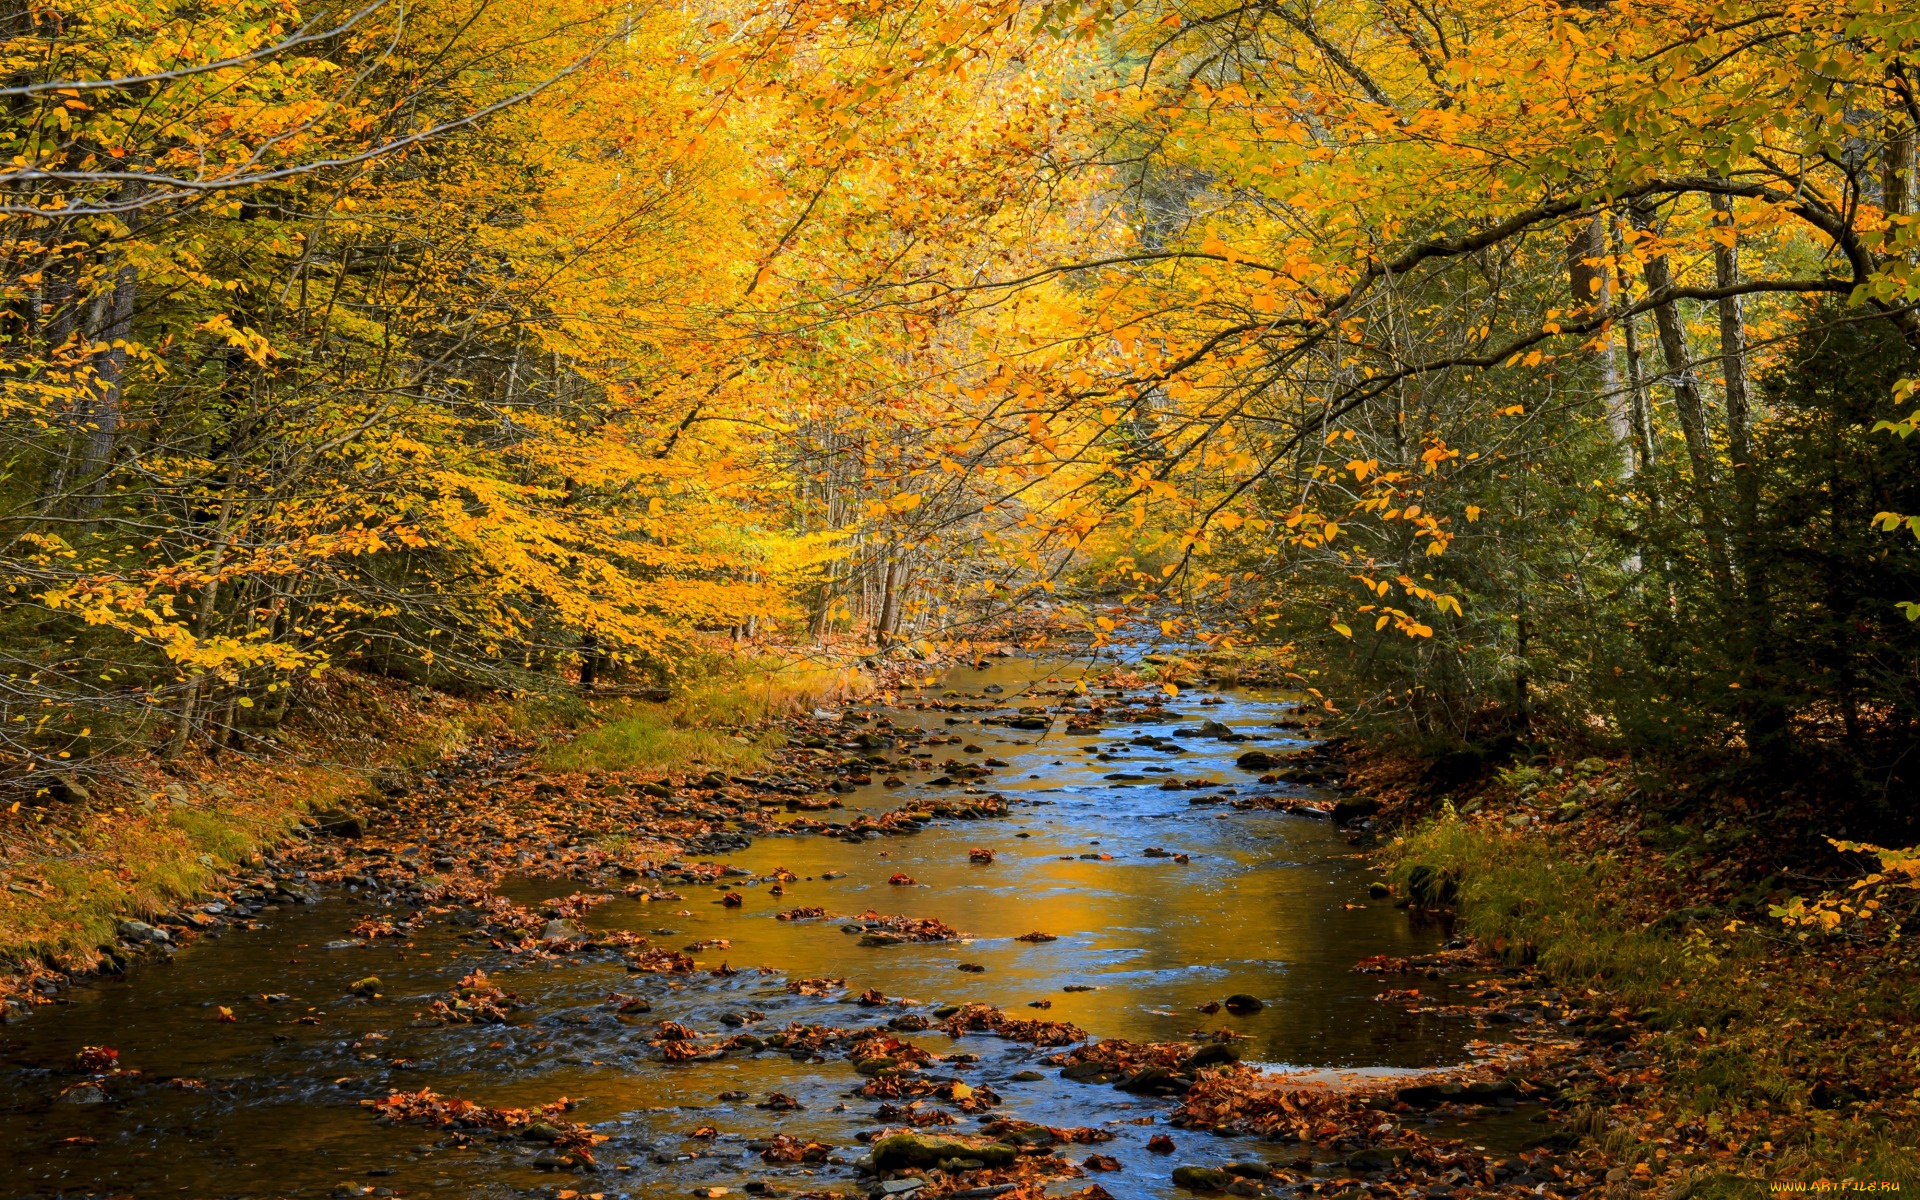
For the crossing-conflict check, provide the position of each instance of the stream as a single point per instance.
(1267, 903)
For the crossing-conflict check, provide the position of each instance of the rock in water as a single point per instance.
(923, 1150)
(1377, 1158)
(1353, 808)
(338, 822)
(1202, 1179)
(1430, 1095)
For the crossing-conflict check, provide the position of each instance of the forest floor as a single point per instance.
(1746, 1054)
(155, 832)
(152, 833)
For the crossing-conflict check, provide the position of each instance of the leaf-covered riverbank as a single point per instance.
(1747, 1051)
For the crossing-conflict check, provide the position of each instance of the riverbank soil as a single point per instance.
(77, 861)
(1743, 1051)
(1012, 936)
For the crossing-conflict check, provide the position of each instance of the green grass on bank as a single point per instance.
(1531, 898)
(139, 847)
(1777, 1052)
(66, 883)
(695, 728)
(641, 736)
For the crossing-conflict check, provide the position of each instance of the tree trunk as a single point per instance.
(883, 631)
(590, 660)
(110, 368)
(1692, 409)
(202, 624)
(823, 610)
(1762, 713)
(1640, 419)
(1733, 368)
(1593, 291)
(1897, 171)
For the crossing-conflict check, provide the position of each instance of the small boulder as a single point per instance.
(338, 822)
(1216, 1054)
(924, 1150)
(1377, 1158)
(1430, 886)
(1240, 1003)
(365, 987)
(1353, 808)
(1431, 1095)
(1202, 1179)
(1146, 1079)
(84, 1093)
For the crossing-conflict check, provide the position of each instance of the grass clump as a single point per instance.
(711, 723)
(1567, 915)
(639, 735)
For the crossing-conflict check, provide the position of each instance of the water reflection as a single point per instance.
(1266, 904)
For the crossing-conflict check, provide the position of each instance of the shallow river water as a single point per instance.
(1267, 903)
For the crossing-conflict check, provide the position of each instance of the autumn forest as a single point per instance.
(416, 416)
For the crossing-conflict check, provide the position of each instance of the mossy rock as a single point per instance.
(1430, 886)
(1352, 808)
(1087, 1072)
(1202, 1179)
(1377, 1158)
(924, 1150)
(1218, 1054)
